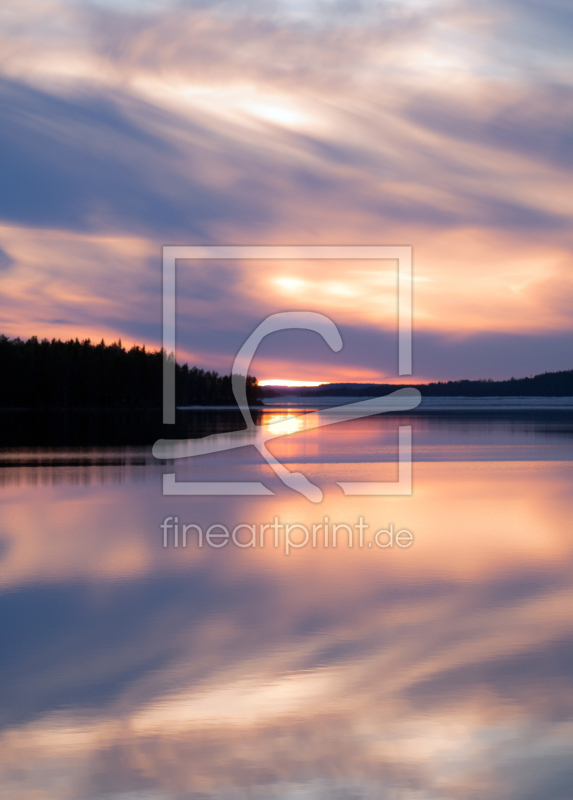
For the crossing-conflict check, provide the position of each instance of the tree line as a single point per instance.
(548, 384)
(80, 374)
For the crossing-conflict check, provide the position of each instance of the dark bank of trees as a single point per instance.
(74, 374)
(549, 384)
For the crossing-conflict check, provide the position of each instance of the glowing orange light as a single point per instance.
(281, 382)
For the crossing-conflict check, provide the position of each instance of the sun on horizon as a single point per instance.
(286, 382)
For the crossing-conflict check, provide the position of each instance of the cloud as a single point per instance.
(337, 123)
(82, 164)
(5, 260)
(531, 120)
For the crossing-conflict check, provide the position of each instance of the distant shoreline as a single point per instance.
(434, 404)
(303, 401)
(548, 384)
(300, 401)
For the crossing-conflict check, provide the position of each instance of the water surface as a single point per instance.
(135, 671)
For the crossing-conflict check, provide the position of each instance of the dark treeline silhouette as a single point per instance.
(549, 384)
(73, 374)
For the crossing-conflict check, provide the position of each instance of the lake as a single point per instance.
(428, 655)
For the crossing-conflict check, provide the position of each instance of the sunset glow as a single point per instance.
(351, 581)
(286, 382)
(423, 137)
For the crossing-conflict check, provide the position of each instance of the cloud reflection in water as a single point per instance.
(441, 671)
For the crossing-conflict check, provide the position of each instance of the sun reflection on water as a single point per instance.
(331, 673)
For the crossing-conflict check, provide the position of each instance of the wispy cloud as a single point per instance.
(286, 123)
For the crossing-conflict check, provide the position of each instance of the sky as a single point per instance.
(446, 126)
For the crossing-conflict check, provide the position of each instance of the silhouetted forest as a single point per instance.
(549, 384)
(73, 374)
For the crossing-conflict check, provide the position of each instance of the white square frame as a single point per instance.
(400, 253)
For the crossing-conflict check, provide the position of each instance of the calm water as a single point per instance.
(135, 671)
